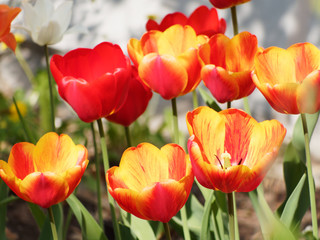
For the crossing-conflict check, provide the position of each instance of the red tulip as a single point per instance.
(229, 63)
(227, 3)
(46, 173)
(93, 81)
(7, 14)
(231, 151)
(168, 61)
(136, 102)
(203, 20)
(151, 183)
(290, 78)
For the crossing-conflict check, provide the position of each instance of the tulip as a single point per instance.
(203, 20)
(45, 173)
(136, 102)
(231, 151)
(228, 65)
(45, 24)
(92, 81)
(290, 78)
(7, 14)
(168, 61)
(227, 3)
(151, 183)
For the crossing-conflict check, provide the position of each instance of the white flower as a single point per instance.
(45, 24)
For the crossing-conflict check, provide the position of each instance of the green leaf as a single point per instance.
(3, 209)
(270, 225)
(205, 224)
(209, 100)
(37, 214)
(46, 232)
(138, 227)
(90, 228)
(287, 216)
(298, 135)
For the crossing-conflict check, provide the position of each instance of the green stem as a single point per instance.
(128, 137)
(236, 226)
(234, 20)
(228, 104)
(246, 105)
(53, 224)
(167, 231)
(183, 210)
(310, 177)
(26, 130)
(24, 65)
(53, 128)
(195, 99)
(105, 158)
(97, 164)
(231, 216)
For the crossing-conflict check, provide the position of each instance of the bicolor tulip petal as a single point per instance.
(45, 173)
(151, 183)
(168, 61)
(203, 20)
(227, 3)
(93, 81)
(228, 65)
(136, 102)
(7, 14)
(289, 78)
(231, 151)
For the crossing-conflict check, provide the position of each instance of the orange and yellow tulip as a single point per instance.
(152, 183)
(7, 14)
(228, 65)
(289, 78)
(45, 173)
(231, 151)
(227, 3)
(168, 61)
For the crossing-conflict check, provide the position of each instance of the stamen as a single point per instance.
(219, 162)
(239, 163)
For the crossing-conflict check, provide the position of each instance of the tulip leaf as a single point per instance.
(46, 232)
(287, 216)
(138, 227)
(205, 224)
(298, 135)
(194, 215)
(37, 214)
(90, 228)
(209, 100)
(271, 226)
(3, 209)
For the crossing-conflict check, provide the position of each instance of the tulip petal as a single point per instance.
(162, 201)
(51, 187)
(308, 93)
(160, 71)
(204, 124)
(307, 59)
(142, 166)
(274, 66)
(57, 154)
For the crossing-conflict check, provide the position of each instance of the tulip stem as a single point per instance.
(228, 105)
(167, 230)
(231, 211)
(195, 99)
(310, 177)
(53, 128)
(183, 210)
(234, 20)
(97, 164)
(52, 224)
(128, 137)
(105, 158)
